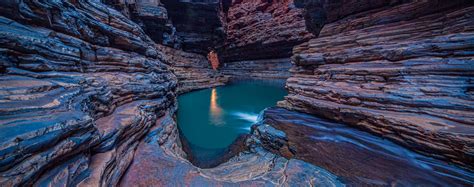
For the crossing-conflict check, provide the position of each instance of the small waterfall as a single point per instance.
(251, 118)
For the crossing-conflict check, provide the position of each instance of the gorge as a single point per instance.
(125, 93)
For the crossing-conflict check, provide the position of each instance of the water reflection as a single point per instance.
(215, 110)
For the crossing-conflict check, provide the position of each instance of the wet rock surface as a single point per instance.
(356, 157)
(88, 97)
(159, 161)
(85, 104)
(403, 72)
(80, 86)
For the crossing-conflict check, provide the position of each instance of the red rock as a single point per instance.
(263, 30)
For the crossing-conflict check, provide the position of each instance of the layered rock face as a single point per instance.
(402, 71)
(257, 69)
(317, 12)
(193, 70)
(263, 30)
(260, 38)
(88, 100)
(198, 23)
(356, 157)
(152, 16)
(80, 85)
(199, 28)
(193, 26)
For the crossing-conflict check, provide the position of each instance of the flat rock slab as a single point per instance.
(357, 157)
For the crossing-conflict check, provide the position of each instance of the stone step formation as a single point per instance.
(88, 91)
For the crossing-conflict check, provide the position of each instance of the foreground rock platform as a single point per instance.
(356, 157)
(159, 161)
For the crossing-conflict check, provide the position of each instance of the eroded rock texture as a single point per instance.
(152, 16)
(199, 24)
(80, 86)
(193, 26)
(318, 12)
(263, 30)
(356, 157)
(194, 71)
(87, 99)
(404, 72)
(158, 163)
(260, 36)
(257, 69)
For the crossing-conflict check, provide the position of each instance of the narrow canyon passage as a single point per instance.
(236, 93)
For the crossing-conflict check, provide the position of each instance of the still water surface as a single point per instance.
(210, 120)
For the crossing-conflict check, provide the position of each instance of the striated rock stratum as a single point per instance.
(88, 91)
(402, 71)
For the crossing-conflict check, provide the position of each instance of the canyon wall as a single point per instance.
(88, 99)
(260, 36)
(403, 71)
(80, 85)
(199, 24)
(188, 29)
(257, 69)
(193, 70)
(153, 18)
(193, 26)
(88, 92)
